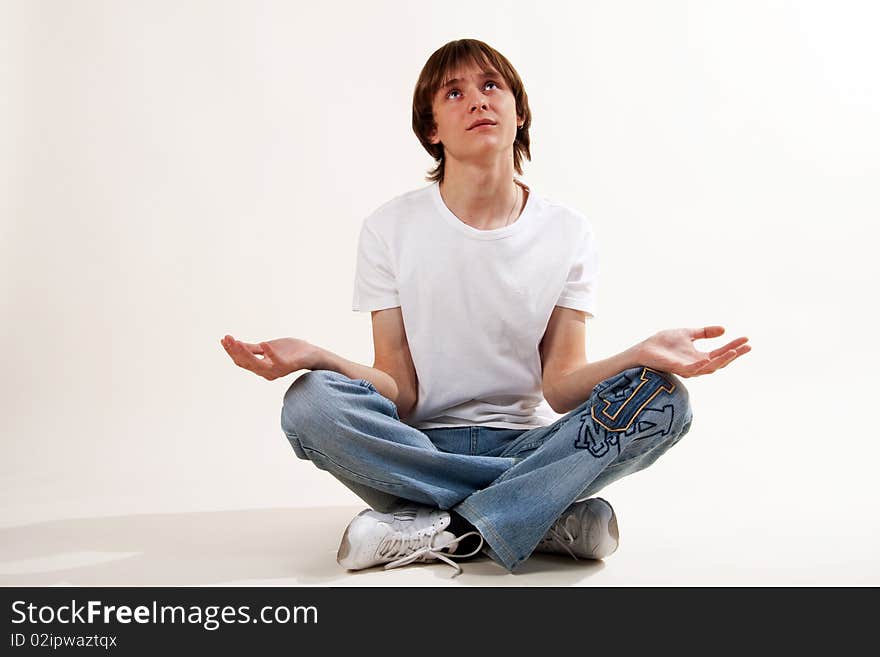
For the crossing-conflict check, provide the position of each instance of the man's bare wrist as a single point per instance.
(634, 355)
(320, 359)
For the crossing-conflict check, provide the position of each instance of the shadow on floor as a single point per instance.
(249, 546)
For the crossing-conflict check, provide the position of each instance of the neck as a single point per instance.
(482, 197)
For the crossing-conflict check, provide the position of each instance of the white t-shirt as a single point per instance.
(475, 303)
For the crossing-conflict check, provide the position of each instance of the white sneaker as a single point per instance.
(586, 529)
(410, 533)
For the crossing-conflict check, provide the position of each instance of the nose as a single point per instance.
(479, 101)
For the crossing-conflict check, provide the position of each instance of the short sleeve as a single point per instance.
(580, 289)
(375, 285)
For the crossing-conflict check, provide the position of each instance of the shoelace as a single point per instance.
(398, 544)
(564, 540)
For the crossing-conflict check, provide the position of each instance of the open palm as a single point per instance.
(673, 351)
(272, 359)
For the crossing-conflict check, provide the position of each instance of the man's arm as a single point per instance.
(277, 358)
(393, 373)
(568, 379)
(392, 356)
(573, 387)
(384, 382)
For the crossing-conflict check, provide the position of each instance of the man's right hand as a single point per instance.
(279, 357)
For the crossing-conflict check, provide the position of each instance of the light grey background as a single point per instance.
(176, 171)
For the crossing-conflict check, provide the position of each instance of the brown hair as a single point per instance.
(445, 61)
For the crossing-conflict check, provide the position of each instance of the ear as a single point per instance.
(432, 136)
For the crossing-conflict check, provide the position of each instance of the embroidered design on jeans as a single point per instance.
(594, 438)
(598, 440)
(620, 404)
(622, 409)
(657, 419)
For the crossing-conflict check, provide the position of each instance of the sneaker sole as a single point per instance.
(344, 550)
(609, 538)
(345, 545)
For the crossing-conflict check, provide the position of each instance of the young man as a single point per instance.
(479, 290)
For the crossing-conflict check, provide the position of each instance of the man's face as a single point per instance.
(473, 95)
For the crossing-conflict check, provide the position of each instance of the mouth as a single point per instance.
(481, 123)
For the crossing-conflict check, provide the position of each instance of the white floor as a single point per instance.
(297, 547)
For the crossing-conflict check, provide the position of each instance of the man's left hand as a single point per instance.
(673, 351)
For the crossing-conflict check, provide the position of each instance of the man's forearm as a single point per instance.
(383, 381)
(573, 388)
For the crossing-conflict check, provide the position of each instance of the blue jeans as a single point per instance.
(511, 484)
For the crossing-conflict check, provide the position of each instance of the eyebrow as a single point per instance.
(484, 74)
